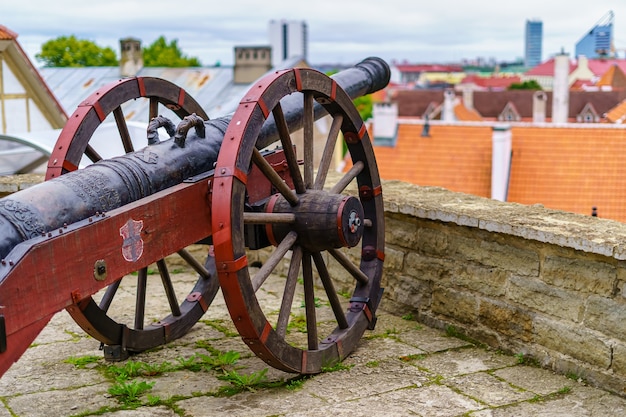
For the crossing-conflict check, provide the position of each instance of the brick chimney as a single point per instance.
(131, 61)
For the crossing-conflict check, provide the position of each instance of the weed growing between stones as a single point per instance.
(81, 362)
(128, 393)
(242, 382)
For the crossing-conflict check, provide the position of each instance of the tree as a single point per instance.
(69, 51)
(526, 85)
(162, 54)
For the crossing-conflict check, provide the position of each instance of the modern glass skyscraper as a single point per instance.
(533, 43)
(598, 41)
(288, 39)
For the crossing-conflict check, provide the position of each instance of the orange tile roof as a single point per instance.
(463, 113)
(7, 34)
(617, 114)
(571, 169)
(613, 77)
(454, 157)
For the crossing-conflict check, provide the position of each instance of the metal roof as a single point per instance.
(212, 87)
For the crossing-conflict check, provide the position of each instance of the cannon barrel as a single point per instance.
(112, 183)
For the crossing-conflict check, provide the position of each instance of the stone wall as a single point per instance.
(545, 284)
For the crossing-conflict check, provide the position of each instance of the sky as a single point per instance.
(340, 31)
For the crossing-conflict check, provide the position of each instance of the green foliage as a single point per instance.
(163, 54)
(296, 383)
(242, 382)
(316, 302)
(297, 323)
(339, 366)
(128, 392)
(365, 106)
(408, 316)
(69, 51)
(133, 369)
(82, 361)
(526, 85)
(219, 361)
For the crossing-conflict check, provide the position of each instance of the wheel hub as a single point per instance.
(323, 220)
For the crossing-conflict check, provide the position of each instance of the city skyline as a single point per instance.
(345, 32)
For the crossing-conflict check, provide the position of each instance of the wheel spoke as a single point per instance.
(271, 218)
(197, 266)
(288, 294)
(153, 109)
(91, 153)
(309, 302)
(271, 263)
(333, 299)
(108, 296)
(290, 155)
(140, 302)
(349, 266)
(168, 287)
(327, 156)
(308, 120)
(122, 127)
(274, 178)
(347, 179)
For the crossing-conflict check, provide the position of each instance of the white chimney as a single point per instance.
(560, 89)
(501, 161)
(539, 106)
(385, 120)
(468, 96)
(447, 113)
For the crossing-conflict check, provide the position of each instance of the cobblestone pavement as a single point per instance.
(402, 368)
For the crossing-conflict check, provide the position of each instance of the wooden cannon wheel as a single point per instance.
(73, 143)
(313, 223)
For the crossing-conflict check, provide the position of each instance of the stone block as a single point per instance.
(461, 306)
(425, 267)
(606, 315)
(579, 274)
(495, 254)
(573, 340)
(410, 291)
(401, 231)
(489, 281)
(544, 298)
(432, 241)
(505, 319)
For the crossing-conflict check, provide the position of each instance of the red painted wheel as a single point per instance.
(314, 224)
(77, 141)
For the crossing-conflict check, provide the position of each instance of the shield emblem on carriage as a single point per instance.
(132, 245)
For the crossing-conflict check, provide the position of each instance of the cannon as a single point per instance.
(236, 183)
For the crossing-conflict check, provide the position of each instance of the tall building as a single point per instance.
(597, 42)
(288, 39)
(534, 43)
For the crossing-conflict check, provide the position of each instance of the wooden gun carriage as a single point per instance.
(236, 183)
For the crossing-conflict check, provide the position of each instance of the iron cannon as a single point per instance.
(235, 183)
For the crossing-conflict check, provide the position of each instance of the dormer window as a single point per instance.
(509, 113)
